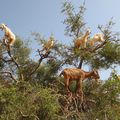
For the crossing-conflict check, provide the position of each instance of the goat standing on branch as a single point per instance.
(81, 41)
(49, 44)
(9, 37)
(78, 75)
(96, 38)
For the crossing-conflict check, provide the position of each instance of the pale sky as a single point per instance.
(44, 16)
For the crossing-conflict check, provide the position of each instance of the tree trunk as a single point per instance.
(80, 64)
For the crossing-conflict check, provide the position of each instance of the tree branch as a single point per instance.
(13, 60)
(11, 76)
(98, 47)
(80, 64)
(4, 60)
(42, 57)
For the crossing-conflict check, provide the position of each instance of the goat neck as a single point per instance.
(88, 74)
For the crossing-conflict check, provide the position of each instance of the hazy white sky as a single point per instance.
(44, 16)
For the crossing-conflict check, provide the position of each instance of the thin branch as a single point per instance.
(23, 115)
(13, 59)
(98, 47)
(80, 64)
(4, 60)
(42, 57)
(11, 75)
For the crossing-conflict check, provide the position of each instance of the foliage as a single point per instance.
(28, 102)
(32, 89)
(107, 99)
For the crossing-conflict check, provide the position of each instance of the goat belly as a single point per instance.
(75, 76)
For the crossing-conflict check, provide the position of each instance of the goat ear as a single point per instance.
(89, 31)
(96, 71)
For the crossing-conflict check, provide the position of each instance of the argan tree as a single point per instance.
(33, 90)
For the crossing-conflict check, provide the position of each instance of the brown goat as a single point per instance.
(49, 44)
(78, 75)
(96, 38)
(81, 41)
